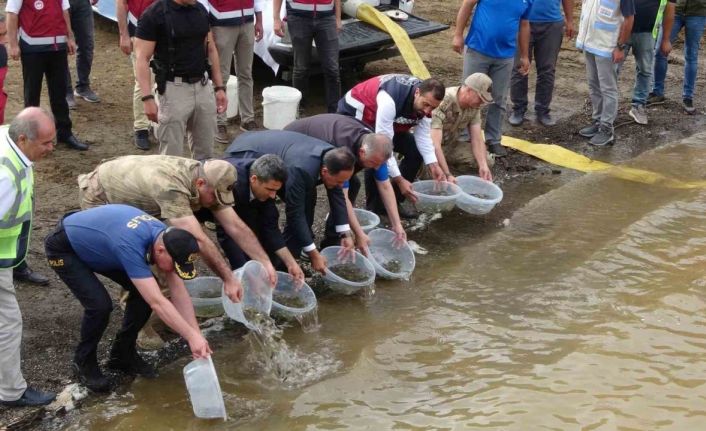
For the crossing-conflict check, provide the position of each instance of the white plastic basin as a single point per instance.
(478, 196)
(435, 196)
(204, 389)
(339, 284)
(205, 293)
(383, 251)
(368, 220)
(257, 293)
(286, 290)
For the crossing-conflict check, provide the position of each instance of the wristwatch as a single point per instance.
(219, 87)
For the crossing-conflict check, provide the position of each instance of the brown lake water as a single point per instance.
(587, 312)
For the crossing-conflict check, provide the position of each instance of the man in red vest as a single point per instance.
(39, 33)
(128, 13)
(236, 25)
(320, 21)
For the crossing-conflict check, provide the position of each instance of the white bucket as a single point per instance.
(232, 92)
(280, 105)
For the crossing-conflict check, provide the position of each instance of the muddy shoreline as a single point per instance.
(52, 315)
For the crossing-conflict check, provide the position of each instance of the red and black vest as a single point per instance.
(231, 12)
(361, 101)
(41, 26)
(310, 8)
(134, 12)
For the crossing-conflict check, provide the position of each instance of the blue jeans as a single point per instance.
(694, 29)
(81, 13)
(642, 46)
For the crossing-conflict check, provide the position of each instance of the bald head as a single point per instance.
(375, 149)
(33, 131)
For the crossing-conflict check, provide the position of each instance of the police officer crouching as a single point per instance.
(177, 34)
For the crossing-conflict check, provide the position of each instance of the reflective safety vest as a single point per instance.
(310, 8)
(16, 225)
(599, 27)
(658, 20)
(231, 12)
(41, 26)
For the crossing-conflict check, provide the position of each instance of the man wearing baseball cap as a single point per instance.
(130, 247)
(172, 188)
(460, 111)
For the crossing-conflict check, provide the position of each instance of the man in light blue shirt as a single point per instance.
(490, 47)
(547, 26)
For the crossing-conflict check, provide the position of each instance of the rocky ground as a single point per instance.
(52, 315)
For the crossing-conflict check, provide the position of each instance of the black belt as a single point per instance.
(188, 79)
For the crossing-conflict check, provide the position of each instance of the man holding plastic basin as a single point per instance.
(394, 105)
(171, 188)
(459, 111)
(125, 245)
(254, 191)
(309, 162)
(372, 150)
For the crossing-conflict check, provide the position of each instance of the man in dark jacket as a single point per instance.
(254, 191)
(309, 162)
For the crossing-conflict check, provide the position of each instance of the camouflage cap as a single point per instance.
(481, 84)
(221, 176)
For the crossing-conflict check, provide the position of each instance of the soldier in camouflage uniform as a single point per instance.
(457, 113)
(172, 188)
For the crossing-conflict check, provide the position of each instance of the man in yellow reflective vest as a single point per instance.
(30, 137)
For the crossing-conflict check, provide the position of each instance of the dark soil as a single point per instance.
(52, 315)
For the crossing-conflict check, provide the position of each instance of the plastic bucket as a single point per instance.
(339, 284)
(257, 293)
(280, 105)
(368, 220)
(434, 196)
(205, 293)
(383, 252)
(232, 92)
(287, 291)
(204, 390)
(478, 196)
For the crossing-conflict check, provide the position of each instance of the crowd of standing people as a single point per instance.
(140, 218)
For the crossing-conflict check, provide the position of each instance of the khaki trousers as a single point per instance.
(12, 384)
(138, 108)
(238, 39)
(187, 107)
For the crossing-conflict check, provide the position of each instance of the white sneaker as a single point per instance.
(639, 114)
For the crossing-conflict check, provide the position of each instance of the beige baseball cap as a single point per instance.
(481, 84)
(221, 176)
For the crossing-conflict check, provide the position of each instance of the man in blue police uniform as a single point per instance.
(123, 243)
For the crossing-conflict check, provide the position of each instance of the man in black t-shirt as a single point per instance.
(177, 34)
(649, 16)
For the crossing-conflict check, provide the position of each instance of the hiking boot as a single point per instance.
(71, 101)
(132, 364)
(142, 140)
(222, 135)
(89, 374)
(603, 137)
(590, 131)
(639, 114)
(248, 126)
(87, 94)
(497, 149)
(546, 119)
(655, 99)
(31, 397)
(516, 118)
(688, 105)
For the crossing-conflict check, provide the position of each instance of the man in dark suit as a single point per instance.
(258, 181)
(309, 162)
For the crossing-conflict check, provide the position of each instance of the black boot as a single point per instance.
(25, 273)
(130, 362)
(89, 374)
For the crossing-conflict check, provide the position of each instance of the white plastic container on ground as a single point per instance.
(368, 220)
(478, 196)
(334, 257)
(204, 389)
(385, 251)
(287, 289)
(257, 293)
(232, 93)
(280, 105)
(205, 293)
(435, 196)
